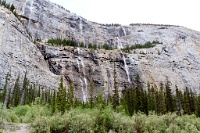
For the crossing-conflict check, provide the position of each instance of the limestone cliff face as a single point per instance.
(177, 59)
(19, 55)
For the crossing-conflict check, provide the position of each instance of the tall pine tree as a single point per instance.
(198, 106)
(151, 98)
(70, 95)
(128, 101)
(168, 98)
(6, 92)
(186, 102)
(24, 89)
(61, 97)
(53, 102)
(16, 93)
(160, 101)
(3, 96)
(138, 95)
(178, 101)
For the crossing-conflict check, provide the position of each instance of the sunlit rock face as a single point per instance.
(176, 60)
(19, 55)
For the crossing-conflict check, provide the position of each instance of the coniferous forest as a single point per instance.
(137, 109)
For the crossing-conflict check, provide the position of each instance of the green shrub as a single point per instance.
(40, 125)
(104, 120)
(21, 110)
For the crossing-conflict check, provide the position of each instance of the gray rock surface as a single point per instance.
(19, 55)
(177, 59)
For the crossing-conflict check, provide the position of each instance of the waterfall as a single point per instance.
(124, 31)
(31, 9)
(124, 59)
(81, 29)
(84, 90)
(85, 80)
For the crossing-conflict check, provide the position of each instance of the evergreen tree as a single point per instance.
(43, 100)
(128, 101)
(145, 103)
(16, 93)
(160, 101)
(168, 98)
(186, 101)
(12, 8)
(115, 98)
(151, 98)
(48, 96)
(29, 95)
(139, 95)
(5, 88)
(61, 97)
(178, 101)
(6, 92)
(192, 97)
(35, 91)
(24, 89)
(7, 98)
(70, 95)
(39, 92)
(53, 102)
(198, 106)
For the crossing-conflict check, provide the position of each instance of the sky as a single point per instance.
(174, 12)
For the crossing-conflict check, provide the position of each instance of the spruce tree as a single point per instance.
(192, 101)
(39, 92)
(49, 96)
(53, 102)
(5, 88)
(12, 8)
(145, 103)
(6, 92)
(7, 98)
(43, 100)
(129, 101)
(35, 91)
(186, 101)
(29, 95)
(160, 101)
(16, 93)
(70, 95)
(151, 98)
(24, 89)
(178, 101)
(198, 106)
(138, 95)
(168, 98)
(61, 97)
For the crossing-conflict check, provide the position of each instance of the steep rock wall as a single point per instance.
(19, 55)
(177, 59)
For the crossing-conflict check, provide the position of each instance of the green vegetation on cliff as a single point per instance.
(140, 46)
(10, 7)
(64, 42)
